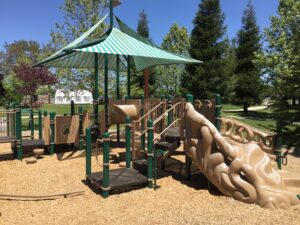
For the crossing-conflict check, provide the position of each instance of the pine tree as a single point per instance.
(209, 45)
(248, 87)
(144, 31)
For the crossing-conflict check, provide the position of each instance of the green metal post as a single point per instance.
(189, 98)
(19, 134)
(150, 153)
(96, 89)
(52, 128)
(118, 90)
(88, 152)
(45, 113)
(278, 145)
(31, 124)
(128, 141)
(72, 108)
(105, 183)
(143, 122)
(80, 112)
(218, 112)
(106, 89)
(40, 124)
(111, 13)
(170, 113)
(128, 78)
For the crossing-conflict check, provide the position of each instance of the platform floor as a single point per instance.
(119, 178)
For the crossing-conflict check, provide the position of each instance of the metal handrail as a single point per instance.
(151, 111)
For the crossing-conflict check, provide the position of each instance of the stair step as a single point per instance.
(173, 134)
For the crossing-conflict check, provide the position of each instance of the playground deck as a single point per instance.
(120, 179)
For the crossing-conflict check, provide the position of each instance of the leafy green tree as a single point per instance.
(143, 25)
(281, 60)
(209, 45)
(79, 16)
(168, 78)
(248, 87)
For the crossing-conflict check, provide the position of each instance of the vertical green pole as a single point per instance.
(40, 124)
(128, 78)
(278, 145)
(105, 182)
(80, 112)
(72, 108)
(52, 128)
(88, 152)
(218, 112)
(31, 124)
(150, 153)
(142, 122)
(170, 113)
(111, 13)
(118, 90)
(188, 160)
(96, 89)
(19, 134)
(106, 89)
(128, 141)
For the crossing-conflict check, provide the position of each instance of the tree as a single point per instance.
(207, 44)
(31, 78)
(138, 79)
(168, 78)
(281, 61)
(79, 16)
(16, 53)
(248, 87)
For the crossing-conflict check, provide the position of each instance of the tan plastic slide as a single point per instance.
(243, 171)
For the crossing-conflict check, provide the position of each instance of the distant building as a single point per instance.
(79, 97)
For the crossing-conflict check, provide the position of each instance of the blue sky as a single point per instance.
(34, 19)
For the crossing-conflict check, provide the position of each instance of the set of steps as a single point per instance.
(164, 149)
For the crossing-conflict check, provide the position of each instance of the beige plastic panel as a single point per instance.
(66, 129)
(46, 130)
(239, 170)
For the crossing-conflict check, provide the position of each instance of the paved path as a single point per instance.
(254, 108)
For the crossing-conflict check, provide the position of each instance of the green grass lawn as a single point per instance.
(261, 119)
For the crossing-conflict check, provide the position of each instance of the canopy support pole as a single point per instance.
(118, 91)
(96, 90)
(128, 78)
(106, 90)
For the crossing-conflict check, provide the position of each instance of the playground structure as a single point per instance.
(154, 134)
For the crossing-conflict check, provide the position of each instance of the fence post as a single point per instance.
(45, 113)
(105, 187)
(72, 108)
(52, 128)
(80, 112)
(218, 112)
(31, 124)
(88, 153)
(40, 124)
(150, 153)
(142, 122)
(19, 133)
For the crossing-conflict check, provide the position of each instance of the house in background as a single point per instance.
(79, 97)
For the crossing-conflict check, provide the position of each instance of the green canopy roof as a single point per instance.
(127, 42)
